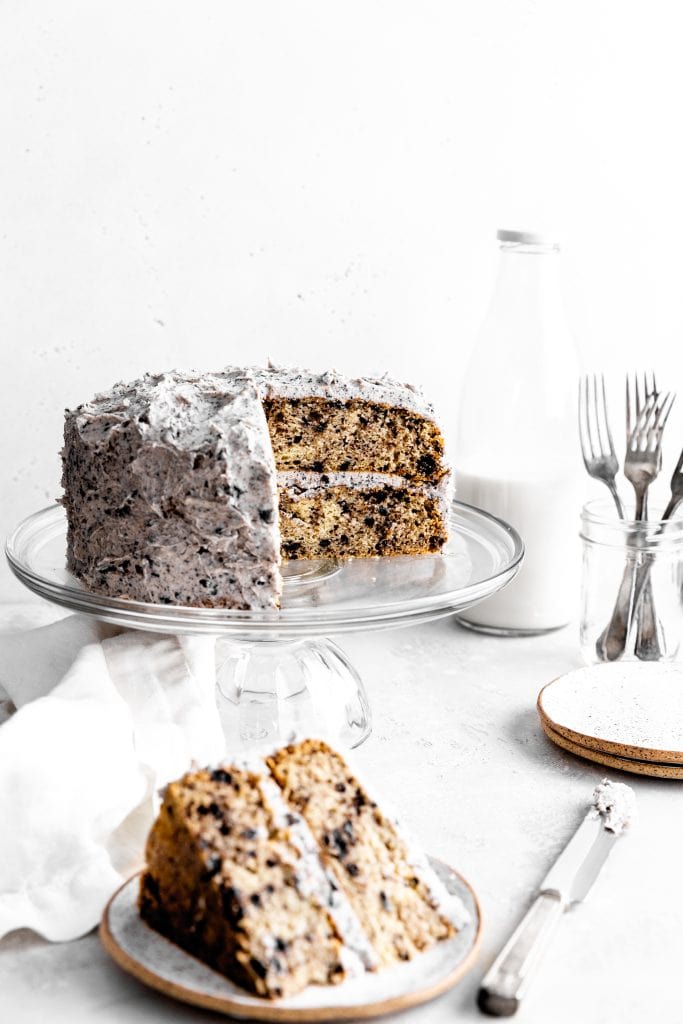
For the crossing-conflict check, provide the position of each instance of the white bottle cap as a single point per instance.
(526, 237)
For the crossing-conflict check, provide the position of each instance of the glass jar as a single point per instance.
(517, 450)
(629, 569)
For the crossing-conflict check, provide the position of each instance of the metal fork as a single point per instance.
(648, 645)
(600, 460)
(641, 466)
(644, 449)
(597, 446)
(676, 499)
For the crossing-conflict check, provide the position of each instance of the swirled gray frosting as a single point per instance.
(295, 382)
(170, 492)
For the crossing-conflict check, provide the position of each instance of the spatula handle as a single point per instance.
(505, 983)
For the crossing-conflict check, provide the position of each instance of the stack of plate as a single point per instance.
(626, 715)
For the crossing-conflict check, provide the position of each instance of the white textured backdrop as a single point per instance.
(199, 183)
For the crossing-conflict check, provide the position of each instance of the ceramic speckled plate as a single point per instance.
(162, 965)
(625, 764)
(626, 709)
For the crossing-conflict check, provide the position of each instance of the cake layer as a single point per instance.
(357, 436)
(223, 881)
(338, 515)
(328, 422)
(365, 852)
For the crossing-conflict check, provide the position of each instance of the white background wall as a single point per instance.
(200, 183)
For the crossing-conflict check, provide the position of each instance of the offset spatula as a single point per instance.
(568, 881)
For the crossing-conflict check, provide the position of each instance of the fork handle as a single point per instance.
(649, 641)
(641, 500)
(612, 641)
(635, 601)
(617, 499)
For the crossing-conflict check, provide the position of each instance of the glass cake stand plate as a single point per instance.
(278, 675)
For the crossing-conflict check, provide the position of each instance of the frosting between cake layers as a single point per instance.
(304, 484)
(448, 903)
(311, 876)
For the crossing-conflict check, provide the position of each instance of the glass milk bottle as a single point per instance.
(517, 452)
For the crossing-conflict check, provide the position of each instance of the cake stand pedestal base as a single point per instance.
(273, 691)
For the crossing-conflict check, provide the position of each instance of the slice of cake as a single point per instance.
(188, 489)
(285, 872)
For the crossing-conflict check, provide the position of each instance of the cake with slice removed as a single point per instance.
(284, 872)
(189, 489)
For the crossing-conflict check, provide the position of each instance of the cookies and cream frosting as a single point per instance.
(275, 381)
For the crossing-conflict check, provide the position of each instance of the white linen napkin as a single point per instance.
(104, 719)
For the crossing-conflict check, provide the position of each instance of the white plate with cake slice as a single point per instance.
(154, 960)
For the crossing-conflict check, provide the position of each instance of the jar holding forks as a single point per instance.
(632, 597)
(616, 549)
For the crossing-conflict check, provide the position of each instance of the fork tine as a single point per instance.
(638, 403)
(652, 433)
(582, 432)
(653, 386)
(605, 416)
(677, 470)
(628, 408)
(589, 421)
(596, 411)
(584, 423)
(664, 411)
(643, 425)
(598, 395)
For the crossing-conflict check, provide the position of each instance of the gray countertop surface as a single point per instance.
(458, 743)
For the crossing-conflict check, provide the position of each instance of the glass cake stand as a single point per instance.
(278, 675)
